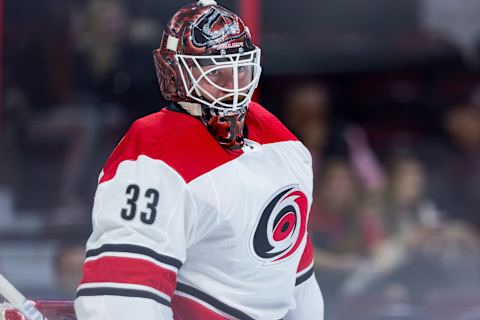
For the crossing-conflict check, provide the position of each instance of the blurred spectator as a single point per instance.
(100, 37)
(423, 252)
(407, 204)
(307, 112)
(113, 57)
(454, 166)
(344, 227)
(420, 263)
(111, 76)
(340, 226)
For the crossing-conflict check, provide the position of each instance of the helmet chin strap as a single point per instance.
(193, 108)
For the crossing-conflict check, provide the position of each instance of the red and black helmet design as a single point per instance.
(198, 29)
(220, 30)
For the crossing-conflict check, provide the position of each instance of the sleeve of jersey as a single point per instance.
(307, 294)
(142, 225)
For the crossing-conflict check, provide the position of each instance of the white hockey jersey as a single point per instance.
(185, 229)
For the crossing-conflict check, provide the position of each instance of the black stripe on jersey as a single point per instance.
(212, 301)
(130, 248)
(134, 293)
(304, 277)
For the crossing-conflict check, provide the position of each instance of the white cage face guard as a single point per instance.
(222, 82)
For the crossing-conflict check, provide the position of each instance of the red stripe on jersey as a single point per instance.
(178, 139)
(187, 309)
(184, 143)
(129, 271)
(264, 127)
(307, 257)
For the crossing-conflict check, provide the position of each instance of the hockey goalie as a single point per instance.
(201, 210)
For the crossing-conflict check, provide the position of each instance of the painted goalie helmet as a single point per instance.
(208, 64)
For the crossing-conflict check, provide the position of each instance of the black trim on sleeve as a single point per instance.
(212, 301)
(304, 277)
(134, 293)
(130, 248)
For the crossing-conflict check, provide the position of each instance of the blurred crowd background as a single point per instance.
(385, 95)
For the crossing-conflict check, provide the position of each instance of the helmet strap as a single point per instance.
(193, 108)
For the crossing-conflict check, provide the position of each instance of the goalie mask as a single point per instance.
(208, 64)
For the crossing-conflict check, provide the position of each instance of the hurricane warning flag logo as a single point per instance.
(282, 225)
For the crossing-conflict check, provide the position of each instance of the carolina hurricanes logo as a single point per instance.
(282, 225)
(214, 27)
